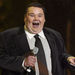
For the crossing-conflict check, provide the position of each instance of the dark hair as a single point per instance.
(34, 4)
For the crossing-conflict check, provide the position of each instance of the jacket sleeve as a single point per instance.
(62, 51)
(12, 63)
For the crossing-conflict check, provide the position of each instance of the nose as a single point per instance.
(36, 18)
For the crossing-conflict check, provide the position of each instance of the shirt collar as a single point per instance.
(41, 34)
(30, 35)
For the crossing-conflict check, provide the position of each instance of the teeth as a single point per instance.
(35, 23)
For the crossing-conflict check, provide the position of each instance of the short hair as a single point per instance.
(34, 4)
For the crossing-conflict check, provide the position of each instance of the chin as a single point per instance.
(35, 32)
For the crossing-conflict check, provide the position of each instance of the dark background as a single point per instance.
(60, 16)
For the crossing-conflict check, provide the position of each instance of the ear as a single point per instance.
(44, 20)
(24, 18)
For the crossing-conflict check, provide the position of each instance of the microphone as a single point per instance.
(34, 51)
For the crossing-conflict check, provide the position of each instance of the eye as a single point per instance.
(40, 15)
(31, 15)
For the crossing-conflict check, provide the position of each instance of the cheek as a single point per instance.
(43, 21)
(29, 19)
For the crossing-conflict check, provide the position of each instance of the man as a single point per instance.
(15, 45)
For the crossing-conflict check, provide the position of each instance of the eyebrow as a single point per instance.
(30, 13)
(33, 13)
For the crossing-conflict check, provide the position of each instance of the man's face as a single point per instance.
(34, 19)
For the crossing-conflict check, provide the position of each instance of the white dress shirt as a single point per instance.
(31, 41)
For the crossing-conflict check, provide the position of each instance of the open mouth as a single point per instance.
(36, 23)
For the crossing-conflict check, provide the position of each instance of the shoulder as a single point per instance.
(55, 35)
(52, 32)
(10, 31)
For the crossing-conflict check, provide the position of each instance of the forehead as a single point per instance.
(35, 10)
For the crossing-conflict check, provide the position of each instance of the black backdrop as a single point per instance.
(60, 16)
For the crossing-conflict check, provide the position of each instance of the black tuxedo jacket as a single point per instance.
(14, 46)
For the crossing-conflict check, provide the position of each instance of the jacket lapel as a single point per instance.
(23, 43)
(53, 50)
